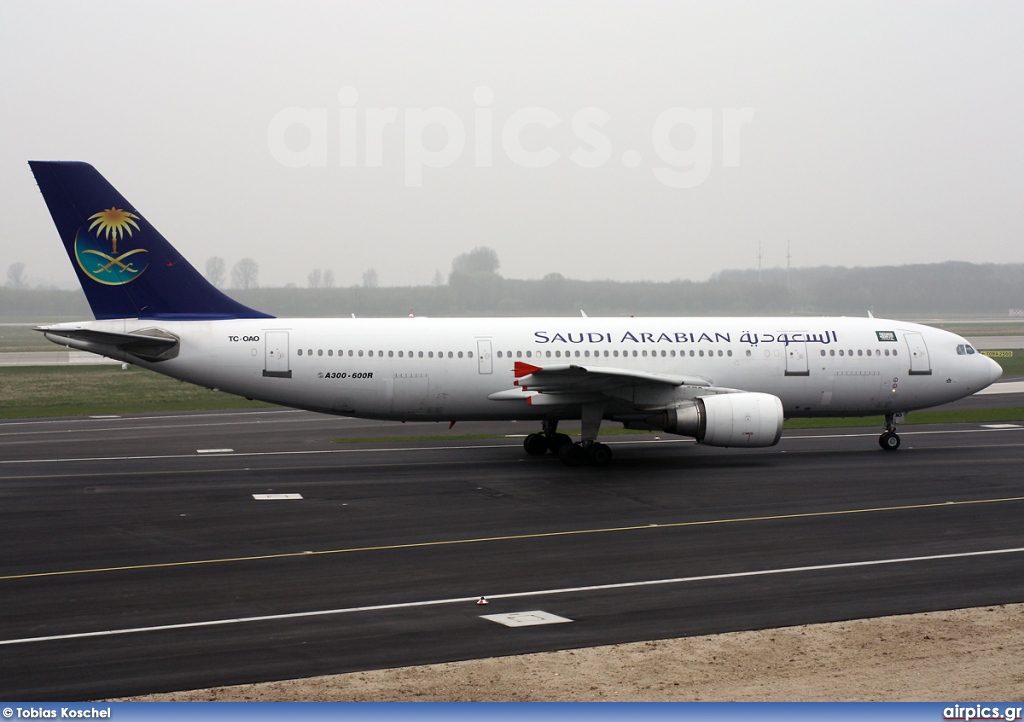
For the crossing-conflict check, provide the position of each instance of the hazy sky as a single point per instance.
(622, 140)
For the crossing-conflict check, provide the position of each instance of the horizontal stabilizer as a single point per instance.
(151, 344)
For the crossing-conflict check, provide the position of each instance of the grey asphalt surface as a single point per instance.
(135, 558)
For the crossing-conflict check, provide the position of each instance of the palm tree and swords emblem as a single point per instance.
(113, 269)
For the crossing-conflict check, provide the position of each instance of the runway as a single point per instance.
(166, 552)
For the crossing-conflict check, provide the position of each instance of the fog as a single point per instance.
(624, 141)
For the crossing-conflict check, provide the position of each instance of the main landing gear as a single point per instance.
(587, 451)
(890, 440)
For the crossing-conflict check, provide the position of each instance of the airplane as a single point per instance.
(726, 382)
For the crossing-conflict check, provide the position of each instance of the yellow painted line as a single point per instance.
(518, 537)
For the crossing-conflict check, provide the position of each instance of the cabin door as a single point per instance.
(276, 356)
(920, 363)
(483, 356)
(796, 359)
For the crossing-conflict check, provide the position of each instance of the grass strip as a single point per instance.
(41, 391)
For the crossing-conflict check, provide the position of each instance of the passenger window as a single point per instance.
(840, 352)
(300, 352)
(360, 354)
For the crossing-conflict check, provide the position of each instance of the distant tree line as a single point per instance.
(475, 288)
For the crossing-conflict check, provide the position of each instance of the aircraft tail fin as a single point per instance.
(126, 268)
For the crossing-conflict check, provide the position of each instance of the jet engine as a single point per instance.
(740, 419)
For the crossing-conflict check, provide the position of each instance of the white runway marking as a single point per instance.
(1007, 387)
(512, 595)
(525, 619)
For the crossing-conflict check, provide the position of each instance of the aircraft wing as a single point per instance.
(574, 384)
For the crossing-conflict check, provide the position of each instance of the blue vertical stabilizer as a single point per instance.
(126, 268)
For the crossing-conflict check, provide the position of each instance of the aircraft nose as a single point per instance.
(994, 370)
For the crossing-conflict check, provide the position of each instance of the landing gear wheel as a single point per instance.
(536, 444)
(557, 441)
(599, 454)
(889, 440)
(572, 455)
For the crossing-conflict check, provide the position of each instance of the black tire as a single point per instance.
(536, 444)
(889, 440)
(572, 455)
(599, 454)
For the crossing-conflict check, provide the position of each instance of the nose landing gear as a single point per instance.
(890, 440)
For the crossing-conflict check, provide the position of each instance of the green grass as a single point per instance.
(1012, 365)
(33, 391)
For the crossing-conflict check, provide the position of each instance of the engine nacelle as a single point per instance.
(742, 419)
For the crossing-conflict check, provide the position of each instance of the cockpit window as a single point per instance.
(961, 350)
(970, 350)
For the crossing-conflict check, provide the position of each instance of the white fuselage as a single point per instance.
(446, 369)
